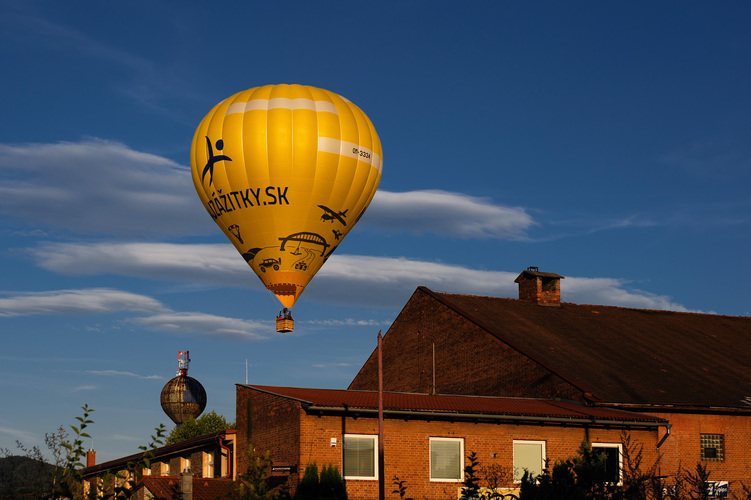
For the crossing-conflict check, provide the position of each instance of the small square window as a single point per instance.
(446, 459)
(360, 456)
(712, 447)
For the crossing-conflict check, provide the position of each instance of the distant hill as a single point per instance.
(24, 477)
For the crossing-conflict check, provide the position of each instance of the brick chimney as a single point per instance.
(186, 485)
(542, 288)
(90, 458)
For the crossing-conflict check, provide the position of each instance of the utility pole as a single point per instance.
(381, 479)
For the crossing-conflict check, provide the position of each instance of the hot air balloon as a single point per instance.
(183, 397)
(286, 171)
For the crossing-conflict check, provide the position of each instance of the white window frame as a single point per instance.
(529, 441)
(374, 438)
(461, 459)
(620, 456)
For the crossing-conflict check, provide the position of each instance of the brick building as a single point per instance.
(426, 437)
(198, 468)
(692, 370)
(517, 381)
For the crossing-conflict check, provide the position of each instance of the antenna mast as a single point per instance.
(183, 360)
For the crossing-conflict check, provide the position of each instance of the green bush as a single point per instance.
(308, 487)
(329, 486)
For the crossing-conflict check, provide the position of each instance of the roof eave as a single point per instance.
(487, 417)
(157, 453)
(675, 408)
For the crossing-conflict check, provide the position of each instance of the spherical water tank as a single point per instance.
(183, 397)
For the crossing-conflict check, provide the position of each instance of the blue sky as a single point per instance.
(607, 142)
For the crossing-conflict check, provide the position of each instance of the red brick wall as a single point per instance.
(681, 448)
(407, 448)
(468, 359)
(543, 290)
(271, 423)
(279, 425)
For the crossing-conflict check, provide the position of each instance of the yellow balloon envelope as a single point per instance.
(286, 171)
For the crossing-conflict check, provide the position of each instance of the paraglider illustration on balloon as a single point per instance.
(286, 171)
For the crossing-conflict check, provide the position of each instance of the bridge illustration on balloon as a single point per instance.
(305, 237)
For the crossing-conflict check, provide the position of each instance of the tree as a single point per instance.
(577, 478)
(308, 487)
(194, 427)
(63, 479)
(471, 487)
(331, 484)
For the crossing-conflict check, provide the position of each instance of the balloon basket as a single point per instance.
(285, 325)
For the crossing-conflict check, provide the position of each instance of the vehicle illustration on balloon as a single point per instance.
(275, 189)
(271, 262)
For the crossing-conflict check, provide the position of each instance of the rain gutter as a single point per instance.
(667, 434)
(230, 458)
(482, 416)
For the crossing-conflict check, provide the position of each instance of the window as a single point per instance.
(528, 456)
(613, 454)
(446, 459)
(712, 447)
(359, 456)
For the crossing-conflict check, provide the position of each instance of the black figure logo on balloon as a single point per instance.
(213, 159)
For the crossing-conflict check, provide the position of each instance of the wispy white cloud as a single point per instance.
(596, 225)
(711, 160)
(193, 323)
(615, 292)
(216, 264)
(19, 434)
(123, 437)
(85, 301)
(51, 35)
(332, 365)
(118, 373)
(99, 187)
(103, 187)
(146, 82)
(104, 300)
(82, 388)
(447, 214)
(345, 279)
(384, 281)
(347, 322)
